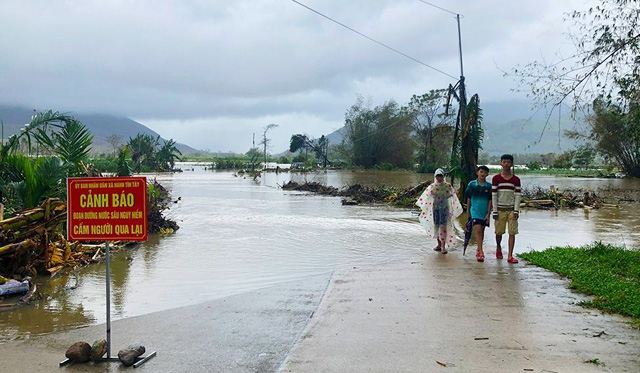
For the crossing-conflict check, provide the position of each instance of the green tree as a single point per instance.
(471, 136)
(603, 74)
(321, 149)
(605, 61)
(27, 181)
(71, 143)
(432, 127)
(124, 169)
(378, 135)
(547, 159)
(564, 160)
(301, 142)
(584, 156)
(167, 155)
(534, 165)
(615, 132)
(254, 155)
(142, 149)
(284, 159)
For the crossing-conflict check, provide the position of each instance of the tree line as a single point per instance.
(390, 135)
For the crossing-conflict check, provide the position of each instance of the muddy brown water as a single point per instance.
(239, 235)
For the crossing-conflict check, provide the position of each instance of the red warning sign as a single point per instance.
(107, 209)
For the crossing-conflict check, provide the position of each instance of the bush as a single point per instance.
(385, 166)
(534, 165)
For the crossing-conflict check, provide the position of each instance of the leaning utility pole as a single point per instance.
(462, 98)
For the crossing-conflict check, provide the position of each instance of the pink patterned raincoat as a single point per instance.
(441, 199)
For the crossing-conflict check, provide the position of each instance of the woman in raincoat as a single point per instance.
(440, 206)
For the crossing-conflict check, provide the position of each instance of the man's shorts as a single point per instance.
(505, 217)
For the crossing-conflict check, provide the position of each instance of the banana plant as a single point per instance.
(38, 124)
(71, 143)
(27, 181)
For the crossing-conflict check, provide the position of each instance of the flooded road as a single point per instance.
(239, 235)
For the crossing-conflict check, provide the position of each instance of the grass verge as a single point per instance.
(608, 273)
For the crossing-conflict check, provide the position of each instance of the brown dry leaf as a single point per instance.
(53, 271)
(31, 269)
(53, 256)
(67, 251)
(440, 363)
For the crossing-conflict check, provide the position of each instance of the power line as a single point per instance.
(441, 8)
(373, 40)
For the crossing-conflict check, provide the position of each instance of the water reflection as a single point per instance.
(238, 234)
(54, 311)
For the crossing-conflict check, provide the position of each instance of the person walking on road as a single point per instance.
(439, 205)
(479, 196)
(505, 197)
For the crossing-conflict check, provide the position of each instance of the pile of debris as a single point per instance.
(554, 199)
(32, 242)
(313, 187)
(158, 201)
(357, 193)
(536, 198)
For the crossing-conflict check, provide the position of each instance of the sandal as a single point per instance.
(480, 257)
(499, 254)
(445, 252)
(437, 249)
(512, 260)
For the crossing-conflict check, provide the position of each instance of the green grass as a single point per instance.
(608, 273)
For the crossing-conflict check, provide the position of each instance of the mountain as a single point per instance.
(511, 127)
(101, 126)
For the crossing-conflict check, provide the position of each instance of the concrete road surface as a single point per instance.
(435, 313)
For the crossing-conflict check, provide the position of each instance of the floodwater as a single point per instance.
(239, 235)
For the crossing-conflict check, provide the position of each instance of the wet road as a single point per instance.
(239, 235)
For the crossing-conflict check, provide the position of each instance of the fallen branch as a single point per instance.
(17, 247)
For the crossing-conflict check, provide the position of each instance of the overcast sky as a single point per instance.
(211, 73)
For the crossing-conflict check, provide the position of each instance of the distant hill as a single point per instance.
(511, 127)
(100, 125)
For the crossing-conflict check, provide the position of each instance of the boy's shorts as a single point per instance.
(505, 217)
(440, 216)
(479, 222)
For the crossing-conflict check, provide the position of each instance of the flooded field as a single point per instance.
(238, 235)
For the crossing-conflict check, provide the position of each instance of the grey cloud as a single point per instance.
(182, 60)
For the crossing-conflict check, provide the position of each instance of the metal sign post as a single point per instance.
(103, 209)
(108, 276)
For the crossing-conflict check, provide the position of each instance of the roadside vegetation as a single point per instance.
(610, 274)
(34, 165)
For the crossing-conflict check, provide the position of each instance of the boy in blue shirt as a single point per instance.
(478, 195)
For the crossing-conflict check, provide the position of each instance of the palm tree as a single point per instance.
(142, 149)
(167, 155)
